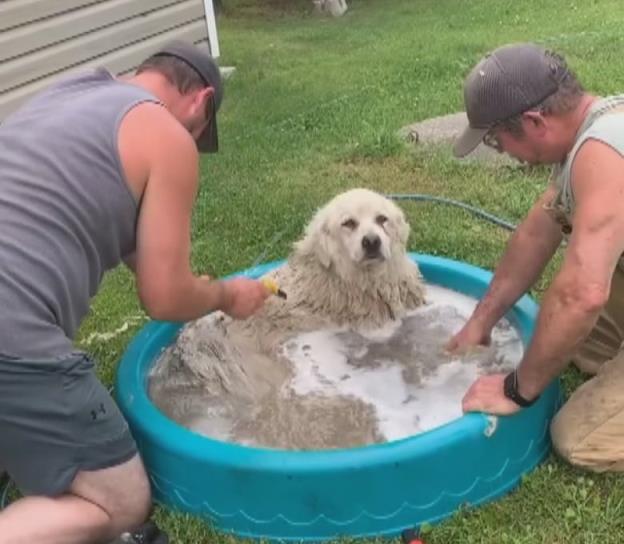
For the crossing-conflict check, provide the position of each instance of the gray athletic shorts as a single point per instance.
(57, 419)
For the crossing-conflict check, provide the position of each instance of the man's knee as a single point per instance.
(123, 492)
(563, 435)
(133, 509)
(591, 448)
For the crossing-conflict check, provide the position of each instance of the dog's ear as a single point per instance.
(403, 227)
(323, 249)
(316, 241)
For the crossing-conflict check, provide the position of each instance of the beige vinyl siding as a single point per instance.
(43, 39)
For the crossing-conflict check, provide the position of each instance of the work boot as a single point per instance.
(148, 533)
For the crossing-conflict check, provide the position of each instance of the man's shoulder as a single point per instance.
(151, 125)
(604, 135)
(151, 139)
(152, 114)
(598, 162)
(607, 125)
(608, 119)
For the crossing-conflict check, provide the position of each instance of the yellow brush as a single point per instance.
(272, 286)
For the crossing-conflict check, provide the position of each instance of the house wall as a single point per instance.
(42, 39)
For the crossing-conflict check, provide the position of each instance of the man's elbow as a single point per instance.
(164, 293)
(160, 310)
(160, 303)
(160, 313)
(586, 298)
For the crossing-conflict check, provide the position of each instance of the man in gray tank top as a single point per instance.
(524, 101)
(95, 171)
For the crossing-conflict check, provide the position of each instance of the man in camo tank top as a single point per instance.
(524, 101)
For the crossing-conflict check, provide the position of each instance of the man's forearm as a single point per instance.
(525, 258)
(563, 324)
(190, 299)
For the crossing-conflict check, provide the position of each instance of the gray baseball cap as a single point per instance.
(208, 70)
(506, 82)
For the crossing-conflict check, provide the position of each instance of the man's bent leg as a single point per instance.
(100, 505)
(69, 450)
(588, 431)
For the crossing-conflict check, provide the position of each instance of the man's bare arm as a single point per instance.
(166, 285)
(528, 251)
(581, 288)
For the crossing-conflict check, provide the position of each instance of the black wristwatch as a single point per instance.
(510, 388)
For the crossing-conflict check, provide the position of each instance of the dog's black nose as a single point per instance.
(371, 244)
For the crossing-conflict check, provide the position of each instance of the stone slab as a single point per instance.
(443, 131)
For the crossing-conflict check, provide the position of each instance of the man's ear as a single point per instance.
(205, 93)
(202, 98)
(534, 121)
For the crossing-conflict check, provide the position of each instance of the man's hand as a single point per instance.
(243, 297)
(471, 335)
(486, 395)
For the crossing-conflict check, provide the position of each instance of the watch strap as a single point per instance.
(510, 389)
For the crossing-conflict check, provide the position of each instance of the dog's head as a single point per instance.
(357, 229)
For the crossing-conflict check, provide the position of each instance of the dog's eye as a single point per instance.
(350, 224)
(381, 219)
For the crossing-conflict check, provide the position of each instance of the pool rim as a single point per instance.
(131, 393)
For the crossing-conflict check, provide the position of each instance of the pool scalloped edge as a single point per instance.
(368, 491)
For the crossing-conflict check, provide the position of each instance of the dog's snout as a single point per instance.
(371, 244)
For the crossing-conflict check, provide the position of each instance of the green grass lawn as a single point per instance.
(313, 109)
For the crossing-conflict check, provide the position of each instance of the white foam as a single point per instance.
(323, 365)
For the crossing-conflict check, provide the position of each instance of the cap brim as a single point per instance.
(468, 141)
(208, 142)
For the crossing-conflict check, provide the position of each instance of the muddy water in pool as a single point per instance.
(329, 388)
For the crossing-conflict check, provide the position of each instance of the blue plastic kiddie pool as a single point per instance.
(316, 495)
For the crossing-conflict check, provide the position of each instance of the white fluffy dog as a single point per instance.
(351, 266)
(349, 270)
